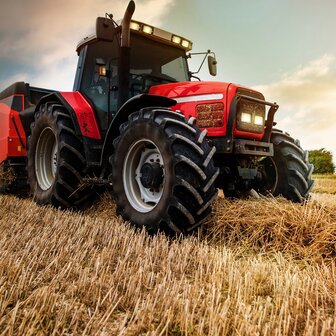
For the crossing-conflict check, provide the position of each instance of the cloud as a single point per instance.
(307, 99)
(41, 35)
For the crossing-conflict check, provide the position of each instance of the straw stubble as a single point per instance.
(258, 267)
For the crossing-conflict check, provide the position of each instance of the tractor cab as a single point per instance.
(106, 77)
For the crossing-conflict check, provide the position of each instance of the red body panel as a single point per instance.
(10, 145)
(190, 94)
(85, 114)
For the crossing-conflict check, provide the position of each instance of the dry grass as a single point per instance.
(274, 224)
(257, 271)
(6, 177)
(325, 184)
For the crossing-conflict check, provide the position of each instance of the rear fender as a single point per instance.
(132, 105)
(80, 110)
(84, 121)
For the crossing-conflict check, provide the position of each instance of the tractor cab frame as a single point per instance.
(109, 74)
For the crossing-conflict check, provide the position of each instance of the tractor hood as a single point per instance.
(194, 97)
(192, 91)
(208, 102)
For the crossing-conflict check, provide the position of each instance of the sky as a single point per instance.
(284, 48)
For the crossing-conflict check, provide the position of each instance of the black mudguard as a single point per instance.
(132, 105)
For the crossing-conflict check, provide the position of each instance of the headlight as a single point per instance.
(176, 39)
(250, 116)
(185, 44)
(246, 117)
(135, 25)
(147, 29)
(259, 120)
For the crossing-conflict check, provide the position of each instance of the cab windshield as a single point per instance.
(154, 63)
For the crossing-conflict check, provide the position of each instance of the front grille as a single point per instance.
(210, 115)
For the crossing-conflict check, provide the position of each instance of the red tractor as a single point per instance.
(138, 124)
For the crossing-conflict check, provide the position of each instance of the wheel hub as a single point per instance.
(46, 159)
(151, 175)
(267, 177)
(143, 175)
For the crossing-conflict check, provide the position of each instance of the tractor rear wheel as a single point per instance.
(288, 172)
(56, 162)
(162, 172)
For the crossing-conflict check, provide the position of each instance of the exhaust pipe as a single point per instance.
(125, 55)
(125, 25)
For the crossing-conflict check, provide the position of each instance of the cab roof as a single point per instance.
(148, 31)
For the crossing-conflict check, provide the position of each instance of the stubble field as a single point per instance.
(258, 267)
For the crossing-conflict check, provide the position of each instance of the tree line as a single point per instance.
(322, 160)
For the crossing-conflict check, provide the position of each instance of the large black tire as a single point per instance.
(162, 172)
(56, 163)
(288, 173)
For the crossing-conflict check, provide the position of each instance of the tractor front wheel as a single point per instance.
(288, 172)
(162, 172)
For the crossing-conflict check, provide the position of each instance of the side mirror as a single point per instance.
(105, 29)
(212, 64)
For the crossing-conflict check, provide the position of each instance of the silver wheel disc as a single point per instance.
(275, 176)
(46, 159)
(271, 175)
(142, 198)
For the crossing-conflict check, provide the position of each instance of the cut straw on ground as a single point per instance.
(259, 267)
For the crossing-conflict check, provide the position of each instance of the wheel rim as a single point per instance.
(46, 159)
(269, 176)
(143, 154)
